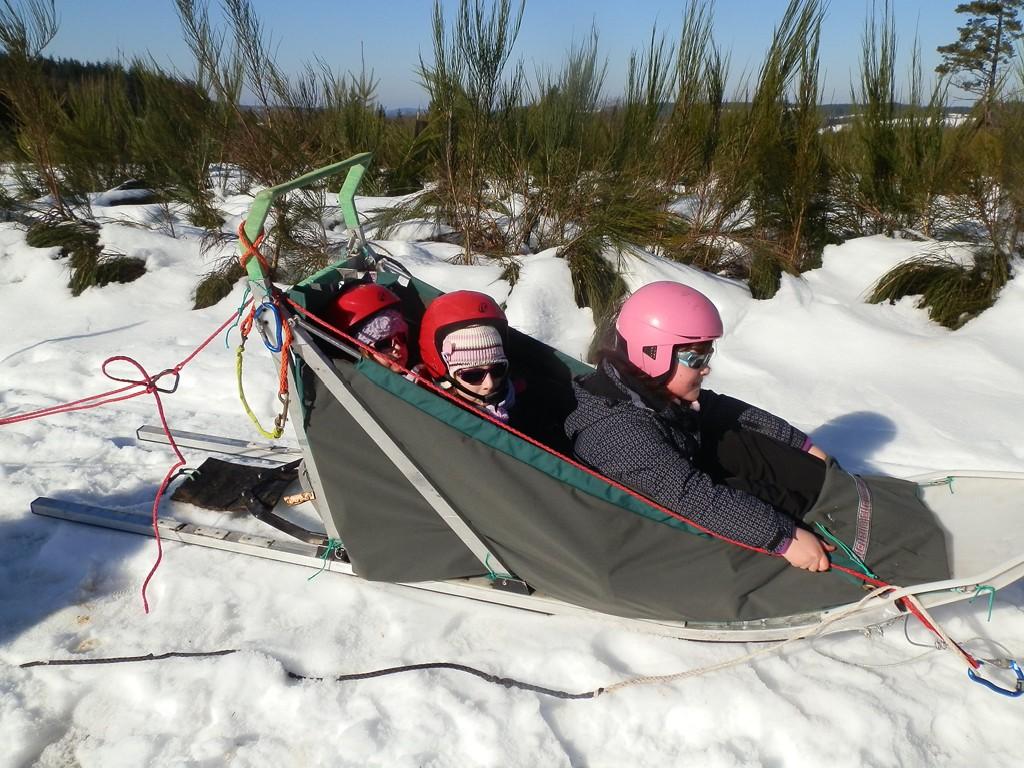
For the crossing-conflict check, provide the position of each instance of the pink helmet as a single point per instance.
(661, 316)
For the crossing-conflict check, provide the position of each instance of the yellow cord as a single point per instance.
(278, 421)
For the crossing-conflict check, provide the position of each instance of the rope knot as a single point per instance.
(251, 249)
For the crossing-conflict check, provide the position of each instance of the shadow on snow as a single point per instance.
(47, 565)
(855, 437)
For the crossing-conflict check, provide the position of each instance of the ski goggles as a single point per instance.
(390, 343)
(475, 376)
(695, 358)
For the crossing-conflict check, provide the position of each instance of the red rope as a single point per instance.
(151, 387)
(145, 385)
(94, 401)
(75, 405)
(427, 383)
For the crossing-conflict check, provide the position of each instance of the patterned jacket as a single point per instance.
(631, 436)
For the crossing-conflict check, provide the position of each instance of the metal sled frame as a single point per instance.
(880, 610)
(972, 554)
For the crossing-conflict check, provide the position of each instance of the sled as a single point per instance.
(417, 490)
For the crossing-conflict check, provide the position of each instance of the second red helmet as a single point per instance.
(358, 303)
(458, 309)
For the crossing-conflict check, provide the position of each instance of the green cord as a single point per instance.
(332, 546)
(841, 545)
(238, 319)
(491, 574)
(991, 596)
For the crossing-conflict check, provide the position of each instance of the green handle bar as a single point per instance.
(356, 165)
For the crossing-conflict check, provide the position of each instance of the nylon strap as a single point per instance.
(863, 536)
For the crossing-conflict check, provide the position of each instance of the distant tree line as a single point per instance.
(65, 76)
(752, 187)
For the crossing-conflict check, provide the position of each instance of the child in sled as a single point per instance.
(462, 346)
(370, 314)
(643, 419)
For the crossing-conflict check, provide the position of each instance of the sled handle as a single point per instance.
(1010, 664)
(356, 166)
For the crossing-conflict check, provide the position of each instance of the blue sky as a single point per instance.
(393, 33)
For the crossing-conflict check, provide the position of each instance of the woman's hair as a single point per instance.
(604, 330)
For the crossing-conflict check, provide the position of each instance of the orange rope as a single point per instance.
(252, 249)
(286, 343)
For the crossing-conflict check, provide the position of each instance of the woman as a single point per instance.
(644, 420)
(462, 348)
(369, 313)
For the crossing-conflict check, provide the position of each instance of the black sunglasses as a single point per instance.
(388, 344)
(476, 376)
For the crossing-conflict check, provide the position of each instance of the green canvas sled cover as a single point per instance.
(566, 531)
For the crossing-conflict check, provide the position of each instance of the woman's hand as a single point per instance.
(816, 451)
(807, 551)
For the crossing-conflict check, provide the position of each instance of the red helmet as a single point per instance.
(446, 313)
(356, 304)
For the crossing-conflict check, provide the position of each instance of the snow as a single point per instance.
(880, 386)
(542, 305)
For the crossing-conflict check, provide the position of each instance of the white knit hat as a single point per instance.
(471, 347)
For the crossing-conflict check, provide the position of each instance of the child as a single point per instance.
(642, 419)
(462, 347)
(369, 313)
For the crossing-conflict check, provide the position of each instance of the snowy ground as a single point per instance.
(879, 386)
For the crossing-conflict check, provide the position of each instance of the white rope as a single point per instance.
(946, 643)
(817, 630)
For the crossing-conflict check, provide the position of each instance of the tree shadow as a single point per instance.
(70, 338)
(47, 564)
(854, 438)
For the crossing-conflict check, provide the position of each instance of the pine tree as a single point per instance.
(985, 45)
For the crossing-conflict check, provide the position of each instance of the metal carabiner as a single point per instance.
(1010, 664)
(276, 345)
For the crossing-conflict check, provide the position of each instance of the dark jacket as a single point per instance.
(651, 444)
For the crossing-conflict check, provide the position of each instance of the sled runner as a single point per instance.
(955, 497)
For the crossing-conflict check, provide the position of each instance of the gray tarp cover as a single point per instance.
(566, 532)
